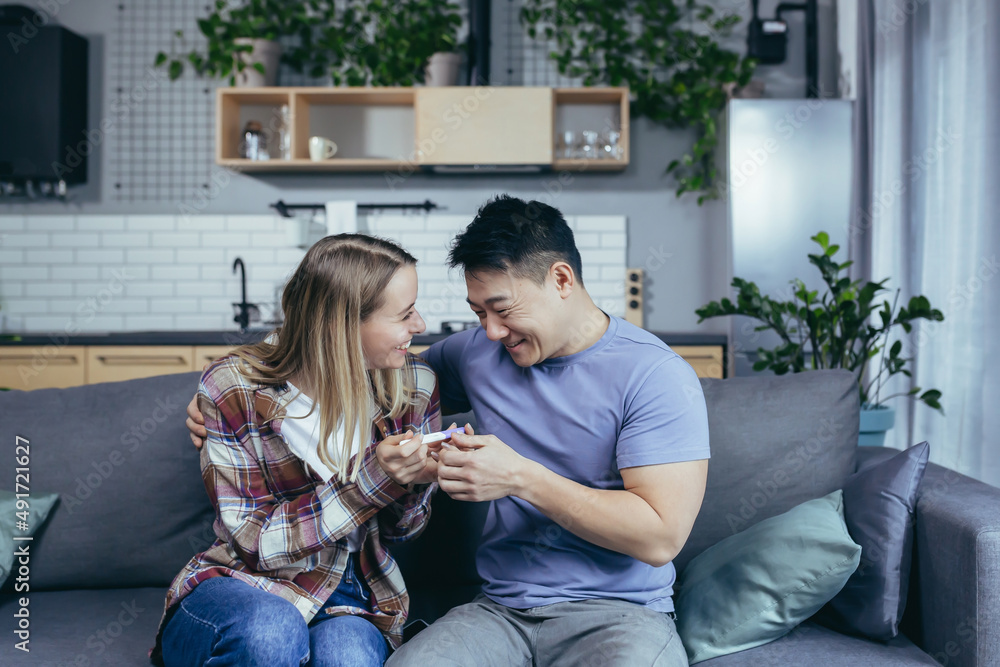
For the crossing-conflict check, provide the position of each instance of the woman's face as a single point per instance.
(386, 334)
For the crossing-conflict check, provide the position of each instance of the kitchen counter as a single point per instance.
(253, 336)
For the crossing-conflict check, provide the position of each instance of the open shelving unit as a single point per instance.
(384, 129)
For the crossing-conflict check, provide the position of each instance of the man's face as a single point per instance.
(517, 312)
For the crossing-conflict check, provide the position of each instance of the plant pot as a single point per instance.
(442, 69)
(874, 424)
(265, 52)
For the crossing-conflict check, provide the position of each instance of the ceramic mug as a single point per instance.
(321, 148)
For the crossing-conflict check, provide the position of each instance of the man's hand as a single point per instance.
(196, 423)
(481, 467)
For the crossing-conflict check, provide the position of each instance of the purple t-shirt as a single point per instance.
(626, 401)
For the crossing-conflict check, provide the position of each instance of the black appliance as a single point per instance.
(44, 141)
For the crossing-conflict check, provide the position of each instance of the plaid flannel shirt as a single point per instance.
(280, 527)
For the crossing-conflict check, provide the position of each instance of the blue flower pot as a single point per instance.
(874, 423)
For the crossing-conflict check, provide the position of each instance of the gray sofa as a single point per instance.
(133, 510)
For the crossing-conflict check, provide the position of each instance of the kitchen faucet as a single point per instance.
(246, 310)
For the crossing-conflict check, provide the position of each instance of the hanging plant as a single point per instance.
(665, 51)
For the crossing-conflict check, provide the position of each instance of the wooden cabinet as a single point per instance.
(206, 354)
(114, 363)
(400, 129)
(706, 360)
(43, 367)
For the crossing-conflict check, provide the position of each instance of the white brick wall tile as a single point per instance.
(174, 272)
(272, 273)
(289, 256)
(11, 289)
(253, 223)
(88, 288)
(587, 240)
(123, 306)
(392, 223)
(151, 223)
(73, 273)
(448, 223)
(222, 272)
(102, 323)
(44, 323)
(203, 256)
(203, 323)
(149, 322)
(157, 256)
(173, 306)
(594, 257)
(125, 273)
(616, 240)
(48, 256)
(215, 306)
(225, 240)
(600, 223)
(613, 273)
(11, 256)
(76, 240)
(24, 273)
(150, 289)
(69, 306)
(102, 223)
(125, 240)
(100, 256)
(431, 240)
(249, 257)
(200, 288)
(591, 273)
(201, 223)
(51, 223)
(603, 290)
(27, 306)
(436, 257)
(12, 223)
(176, 240)
(435, 272)
(48, 289)
(268, 239)
(26, 240)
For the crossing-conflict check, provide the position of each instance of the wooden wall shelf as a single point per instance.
(386, 129)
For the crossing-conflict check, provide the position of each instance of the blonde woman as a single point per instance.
(305, 467)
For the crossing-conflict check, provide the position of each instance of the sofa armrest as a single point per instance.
(953, 609)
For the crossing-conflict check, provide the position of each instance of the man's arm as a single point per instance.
(649, 520)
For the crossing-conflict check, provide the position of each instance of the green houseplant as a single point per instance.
(843, 328)
(384, 43)
(237, 34)
(667, 53)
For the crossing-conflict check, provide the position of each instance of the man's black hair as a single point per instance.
(513, 236)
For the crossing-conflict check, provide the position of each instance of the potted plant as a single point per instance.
(243, 40)
(836, 331)
(667, 52)
(383, 43)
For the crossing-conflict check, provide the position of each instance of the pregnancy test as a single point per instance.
(431, 438)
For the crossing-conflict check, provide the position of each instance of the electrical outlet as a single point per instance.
(634, 279)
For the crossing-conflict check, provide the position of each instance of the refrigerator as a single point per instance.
(786, 174)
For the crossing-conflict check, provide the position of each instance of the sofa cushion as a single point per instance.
(777, 441)
(21, 518)
(132, 507)
(815, 646)
(879, 504)
(756, 586)
(109, 628)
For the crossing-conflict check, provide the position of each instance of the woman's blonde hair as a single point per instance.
(339, 283)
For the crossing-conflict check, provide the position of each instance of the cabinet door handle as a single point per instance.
(61, 359)
(150, 360)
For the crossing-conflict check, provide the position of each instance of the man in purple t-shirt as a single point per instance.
(593, 449)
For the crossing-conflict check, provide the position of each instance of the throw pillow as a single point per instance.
(39, 506)
(879, 510)
(756, 586)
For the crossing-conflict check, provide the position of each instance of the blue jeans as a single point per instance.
(225, 621)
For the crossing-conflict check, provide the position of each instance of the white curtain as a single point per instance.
(936, 214)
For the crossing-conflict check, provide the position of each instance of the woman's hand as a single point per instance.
(406, 464)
